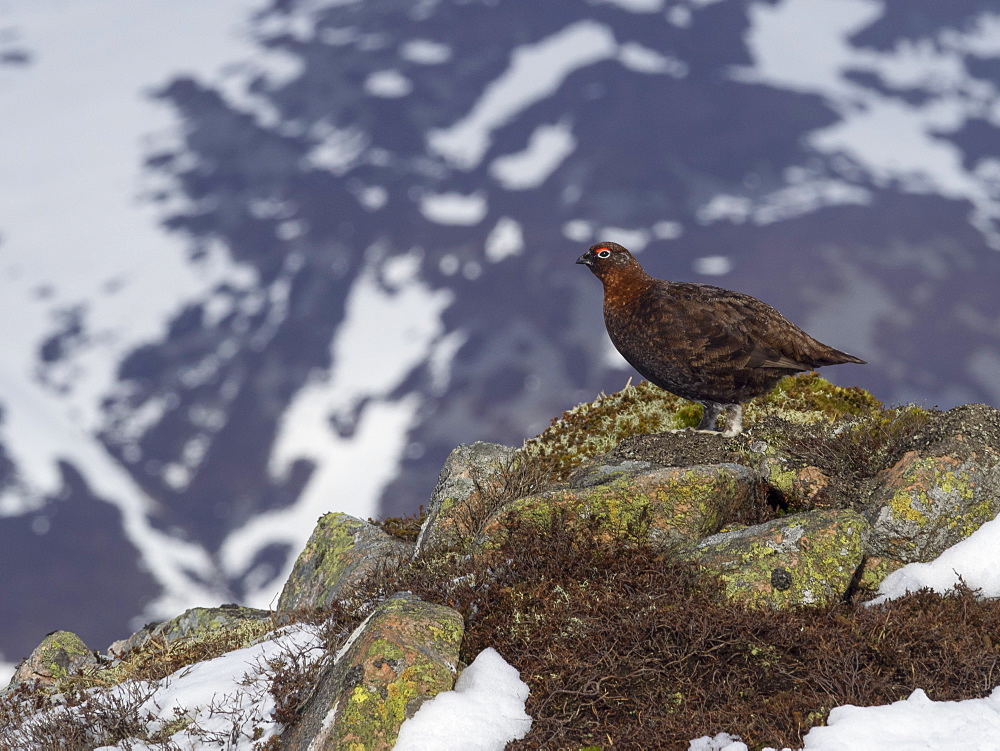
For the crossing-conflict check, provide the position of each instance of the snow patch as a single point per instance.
(484, 712)
(388, 84)
(548, 147)
(578, 230)
(635, 56)
(636, 6)
(535, 72)
(913, 723)
(425, 52)
(454, 208)
(337, 149)
(392, 326)
(804, 45)
(975, 559)
(713, 265)
(721, 742)
(505, 239)
(635, 240)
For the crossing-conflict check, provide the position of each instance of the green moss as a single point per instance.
(596, 427)
(156, 659)
(56, 648)
(335, 534)
(669, 505)
(373, 716)
(809, 398)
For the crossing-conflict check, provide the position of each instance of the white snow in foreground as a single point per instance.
(916, 723)
(976, 559)
(226, 700)
(483, 713)
(721, 742)
(6, 671)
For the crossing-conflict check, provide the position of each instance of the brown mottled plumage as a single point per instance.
(703, 343)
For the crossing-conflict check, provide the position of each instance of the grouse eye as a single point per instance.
(604, 253)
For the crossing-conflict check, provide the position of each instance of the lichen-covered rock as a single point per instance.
(455, 494)
(340, 553)
(190, 623)
(664, 505)
(875, 569)
(61, 654)
(405, 653)
(801, 488)
(927, 503)
(803, 559)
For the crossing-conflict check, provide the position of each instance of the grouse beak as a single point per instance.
(587, 259)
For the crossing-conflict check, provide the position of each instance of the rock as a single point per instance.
(189, 623)
(666, 504)
(804, 559)
(926, 503)
(61, 653)
(340, 553)
(452, 504)
(942, 490)
(405, 653)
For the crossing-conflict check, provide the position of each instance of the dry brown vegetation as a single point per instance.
(624, 646)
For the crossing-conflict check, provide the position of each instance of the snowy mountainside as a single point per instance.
(273, 259)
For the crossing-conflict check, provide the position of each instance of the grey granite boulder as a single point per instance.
(341, 552)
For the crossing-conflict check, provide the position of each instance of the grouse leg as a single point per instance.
(709, 417)
(734, 420)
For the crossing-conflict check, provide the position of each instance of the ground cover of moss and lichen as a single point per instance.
(805, 421)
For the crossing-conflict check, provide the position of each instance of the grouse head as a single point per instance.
(611, 261)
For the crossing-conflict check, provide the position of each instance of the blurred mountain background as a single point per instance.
(264, 260)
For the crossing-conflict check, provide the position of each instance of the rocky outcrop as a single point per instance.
(454, 509)
(403, 654)
(341, 552)
(665, 505)
(825, 492)
(61, 654)
(191, 623)
(932, 498)
(803, 559)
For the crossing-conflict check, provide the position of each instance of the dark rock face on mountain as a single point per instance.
(420, 175)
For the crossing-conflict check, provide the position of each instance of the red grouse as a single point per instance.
(703, 343)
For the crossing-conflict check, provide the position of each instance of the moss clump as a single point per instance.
(156, 658)
(598, 426)
(808, 398)
(803, 559)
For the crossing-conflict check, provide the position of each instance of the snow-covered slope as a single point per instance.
(260, 260)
